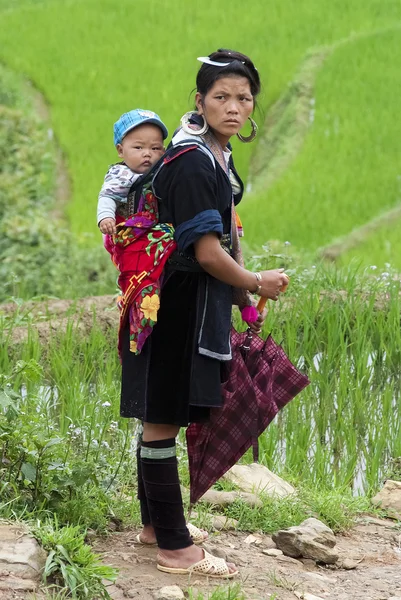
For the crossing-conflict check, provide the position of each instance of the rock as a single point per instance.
(268, 542)
(368, 520)
(18, 584)
(225, 498)
(252, 539)
(272, 552)
(21, 559)
(349, 563)
(312, 539)
(170, 592)
(307, 596)
(257, 478)
(389, 498)
(222, 523)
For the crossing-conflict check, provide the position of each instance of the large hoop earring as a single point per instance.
(252, 135)
(186, 125)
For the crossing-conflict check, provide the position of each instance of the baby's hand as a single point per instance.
(108, 225)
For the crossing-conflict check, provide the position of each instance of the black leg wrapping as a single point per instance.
(141, 490)
(163, 493)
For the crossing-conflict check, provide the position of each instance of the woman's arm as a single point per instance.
(215, 261)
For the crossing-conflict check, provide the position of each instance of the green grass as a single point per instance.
(232, 592)
(341, 432)
(94, 60)
(348, 169)
(38, 254)
(379, 248)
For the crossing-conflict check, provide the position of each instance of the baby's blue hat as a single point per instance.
(132, 119)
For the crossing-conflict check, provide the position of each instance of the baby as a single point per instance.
(138, 138)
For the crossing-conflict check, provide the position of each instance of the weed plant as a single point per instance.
(71, 564)
(232, 592)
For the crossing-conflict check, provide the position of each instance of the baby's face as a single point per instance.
(141, 147)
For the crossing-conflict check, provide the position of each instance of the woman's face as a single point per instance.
(226, 106)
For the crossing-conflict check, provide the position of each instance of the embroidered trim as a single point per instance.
(158, 453)
(211, 354)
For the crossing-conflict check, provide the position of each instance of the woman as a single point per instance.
(177, 377)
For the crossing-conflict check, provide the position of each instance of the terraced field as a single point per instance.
(347, 172)
(94, 60)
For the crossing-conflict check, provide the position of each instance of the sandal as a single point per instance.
(196, 534)
(209, 566)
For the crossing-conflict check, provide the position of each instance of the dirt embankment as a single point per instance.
(47, 317)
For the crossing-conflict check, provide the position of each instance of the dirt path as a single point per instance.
(373, 542)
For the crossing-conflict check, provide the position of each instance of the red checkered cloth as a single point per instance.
(261, 381)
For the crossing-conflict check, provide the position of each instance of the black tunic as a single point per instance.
(170, 382)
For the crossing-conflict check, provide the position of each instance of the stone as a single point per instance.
(268, 542)
(272, 552)
(20, 554)
(226, 498)
(18, 584)
(252, 539)
(349, 563)
(389, 498)
(368, 520)
(307, 596)
(257, 478)
(222, 523)
(170, 592)
(21, 559)
(311, 539)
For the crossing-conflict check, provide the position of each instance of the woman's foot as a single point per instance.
(147, 535)
(185, 558)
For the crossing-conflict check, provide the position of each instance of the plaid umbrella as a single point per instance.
(261, 380)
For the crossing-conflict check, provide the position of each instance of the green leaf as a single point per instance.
(53, 442)
(29, 471)
(5, 400)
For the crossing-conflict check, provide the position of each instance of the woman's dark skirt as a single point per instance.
(170, 382)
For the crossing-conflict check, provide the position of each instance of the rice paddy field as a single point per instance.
(326, 171)
(93, 61)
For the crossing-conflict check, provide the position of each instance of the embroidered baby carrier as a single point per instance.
(140, 250)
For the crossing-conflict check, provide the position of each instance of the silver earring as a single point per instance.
(188, 129)
(252, 135)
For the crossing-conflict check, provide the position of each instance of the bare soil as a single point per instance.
(372, 547)
(50, 316)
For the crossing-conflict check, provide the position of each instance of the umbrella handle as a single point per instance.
(261, 304)
(262, 301)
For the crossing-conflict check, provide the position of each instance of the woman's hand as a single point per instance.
(256, 327)
(272, 283)
(108, 226)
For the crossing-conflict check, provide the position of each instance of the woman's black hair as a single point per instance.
(240, 66)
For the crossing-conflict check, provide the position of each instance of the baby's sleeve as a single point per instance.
(116, 186)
